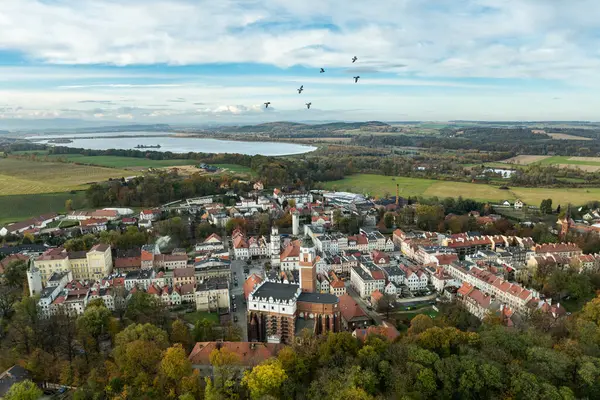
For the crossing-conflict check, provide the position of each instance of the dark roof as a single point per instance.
(77, 255)
(278, 291)
(14, 374)
(319, 298)
(36, 248)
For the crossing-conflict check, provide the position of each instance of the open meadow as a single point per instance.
(18, 207)
(120, 162)
(524, 159)
(31, 177)
(381, 185)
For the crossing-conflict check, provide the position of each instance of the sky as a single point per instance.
(218, 61)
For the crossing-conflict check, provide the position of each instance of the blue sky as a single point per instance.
(185, 61)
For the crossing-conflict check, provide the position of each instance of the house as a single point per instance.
(149, 215)
(376, 296)
(366, 278)
(391, 289)
(518, 204)
(182, 276)
(19, 228)
(212, 295)
(251, 283)
(380, 258)
(211, 243)
(258, 186)
(414, 279)
(127, 261)
(250, 354)
(353, 316)
(141, 279)
(93, 225)
(109, 215)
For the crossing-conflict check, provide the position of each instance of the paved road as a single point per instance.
(363, 304)
(237, 269)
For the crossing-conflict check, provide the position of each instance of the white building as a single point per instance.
(366, 278)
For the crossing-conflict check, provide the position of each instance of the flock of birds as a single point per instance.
(301, 88)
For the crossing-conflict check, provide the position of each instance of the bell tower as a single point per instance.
(275, 246)
(308, 266)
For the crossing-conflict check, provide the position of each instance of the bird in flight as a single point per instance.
(308, 105)
(301, 89)
(267, 104)
(322, 70)
(356, 79)
(354, 59)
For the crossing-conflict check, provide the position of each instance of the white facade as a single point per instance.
(34, 281)
(275, 246)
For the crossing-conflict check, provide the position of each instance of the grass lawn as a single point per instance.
(64, 223)
(23, 206)
(30, 177)
(380, 185)
(198, 315)
(121, 162)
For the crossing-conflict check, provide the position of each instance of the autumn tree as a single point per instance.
(175, 375)
(180, 334)
(25, 390)
(266, 379)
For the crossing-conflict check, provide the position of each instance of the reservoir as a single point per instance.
(109, 140)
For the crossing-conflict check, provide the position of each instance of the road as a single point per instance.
(237, 270)
(363, 304)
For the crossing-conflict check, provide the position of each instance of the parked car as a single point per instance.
(235, 318)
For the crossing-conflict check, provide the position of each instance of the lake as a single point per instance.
(175, 144)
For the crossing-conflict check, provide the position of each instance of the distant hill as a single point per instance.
(71, 125)
(283, 126)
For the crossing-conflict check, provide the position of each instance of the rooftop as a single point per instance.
(278, 291)
(319, 298)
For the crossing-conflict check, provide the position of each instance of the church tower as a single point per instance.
(308, 266)
(275, 246)
(565, 224)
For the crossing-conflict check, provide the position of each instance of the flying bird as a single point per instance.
(267, 104)
(308, 105)
(356, 79)
(301, 89)
(354, 59)
(322, 70)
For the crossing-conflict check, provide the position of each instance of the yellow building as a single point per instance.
(79, 265)
(51, 261)
(100, 262)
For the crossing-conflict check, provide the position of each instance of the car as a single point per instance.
(235, 318)
(235, 284)
(233, 297)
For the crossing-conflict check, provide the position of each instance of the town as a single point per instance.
(275, 266)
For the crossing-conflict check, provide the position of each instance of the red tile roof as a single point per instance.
(250, 354)
(376, 295)
(387, 331)
(250, 283)
(292, 250)
(350, 308)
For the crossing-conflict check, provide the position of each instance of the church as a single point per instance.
(279, 310)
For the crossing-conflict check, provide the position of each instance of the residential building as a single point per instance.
(150, 215)
(100, 262)
(51, 261)
(210, 244)
(353, 316)
(414, 279)
(212, 295)
(183, 276)
(249, 354)
(366, 278)
(142, 279)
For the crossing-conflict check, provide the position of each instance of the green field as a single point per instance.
(29, 177)
(380, 185)
(121, 162)
(566, 160)
(240, 169)
(19, 207)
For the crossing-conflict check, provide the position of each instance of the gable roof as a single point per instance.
(250, 354)
(350, 308)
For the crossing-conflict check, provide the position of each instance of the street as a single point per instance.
(237, 270)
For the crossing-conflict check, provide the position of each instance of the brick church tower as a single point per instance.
(308, 266)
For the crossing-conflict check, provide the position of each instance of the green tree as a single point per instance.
(146, 308)
(266, 379)
(95, 320)
(25, 390)
(180, 333)
(15, 274)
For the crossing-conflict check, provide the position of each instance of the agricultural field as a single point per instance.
(121, 162)
(566, 136)
(18, 207)
(557, 160)
(524, 159)
(29, 177)
(381, 185)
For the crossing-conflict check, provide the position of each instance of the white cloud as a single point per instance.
(490, 38)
